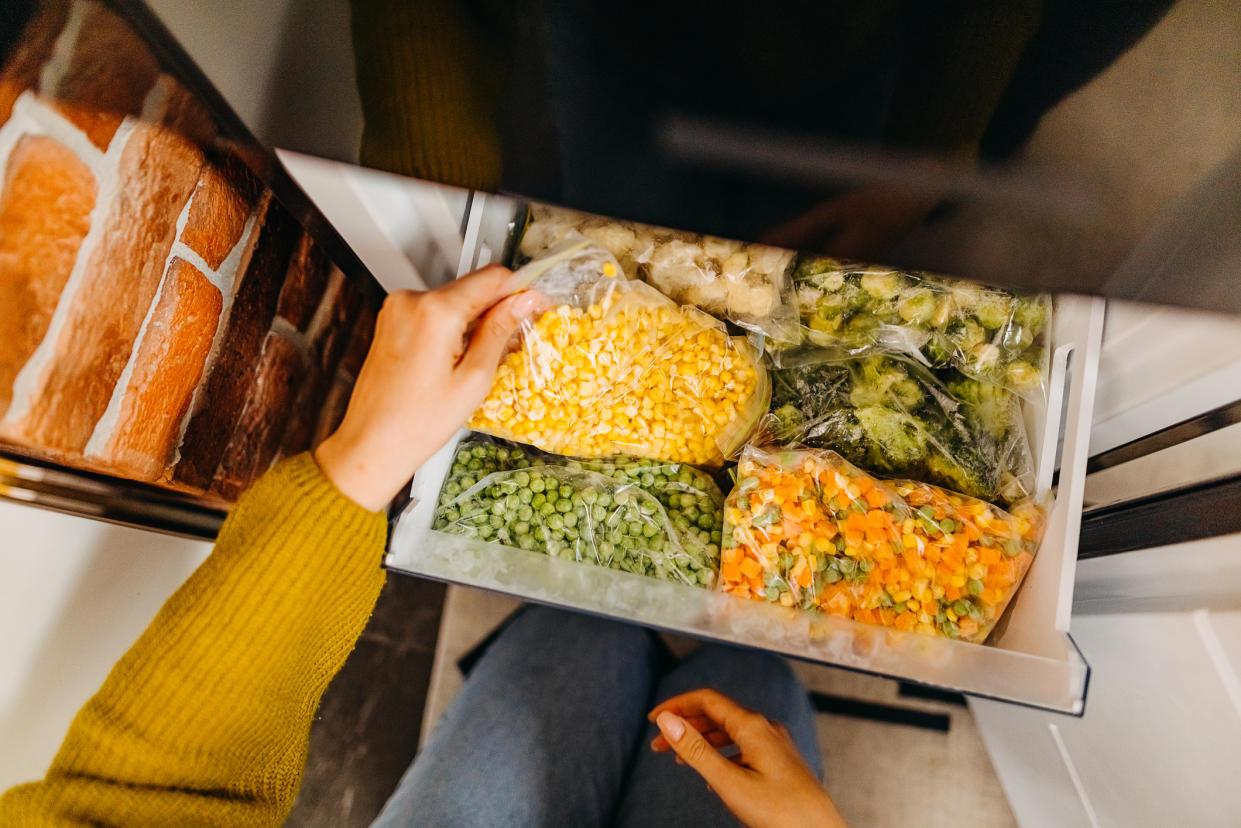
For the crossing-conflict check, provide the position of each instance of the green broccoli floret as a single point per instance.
(1016, 337)
(993, 310)
(1032, 312)
(883, 285)
(965, 473)
(1023, 377)
(967, 335)
(917, 305)
(989, 405)
(897, 438)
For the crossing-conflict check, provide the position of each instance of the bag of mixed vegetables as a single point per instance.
(618, 368)
(808, 529)
(892, 416)
(986, 333)
(745, 283)
(633, 515)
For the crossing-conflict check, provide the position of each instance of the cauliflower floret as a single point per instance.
(719, 249)
(769, 260)
(617, 239)
(736, 266)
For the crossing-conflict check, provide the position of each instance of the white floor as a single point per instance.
(880, 774)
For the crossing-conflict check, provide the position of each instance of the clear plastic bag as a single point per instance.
(617, 368)
(633, 515)
(745, 283)
(808, 529)
(892, 416)
(986, 333)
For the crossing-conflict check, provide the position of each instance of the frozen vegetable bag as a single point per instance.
(746, 283)
(618, 368)
(808, 529)
(893, 416)
(986, 333)
(637, 516)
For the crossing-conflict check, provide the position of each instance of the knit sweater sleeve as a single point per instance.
(206, 720)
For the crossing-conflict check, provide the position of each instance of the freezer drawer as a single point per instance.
(1030, 658)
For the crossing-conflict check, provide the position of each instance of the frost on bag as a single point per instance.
(808, 529)
(745, 283)
(986, 333)
(617, 368)
(892, 416)
(633, 515)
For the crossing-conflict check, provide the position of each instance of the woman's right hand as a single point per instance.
(767, 783)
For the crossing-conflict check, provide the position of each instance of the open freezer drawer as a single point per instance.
(1029, 659)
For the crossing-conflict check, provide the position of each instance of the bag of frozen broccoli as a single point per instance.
(894, 417)
(618, 368)
(986, 333)
(745, 283)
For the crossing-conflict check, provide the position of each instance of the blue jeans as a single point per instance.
(550, 729)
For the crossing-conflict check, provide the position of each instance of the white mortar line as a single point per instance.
(106, 171)
(189, 255)
(106, 426)
(226, 278)
(62, 50)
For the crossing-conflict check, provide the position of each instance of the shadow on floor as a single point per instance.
(366, 732)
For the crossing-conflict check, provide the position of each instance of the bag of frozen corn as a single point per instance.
(743, 282)
(615, 367)
(808, 529)
(640, 516)
(987, 333)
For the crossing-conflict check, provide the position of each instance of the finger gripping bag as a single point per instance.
(894, 417)
(808, 529)
(634, 516)
(617, 368)
(746, 283)
(986, 333)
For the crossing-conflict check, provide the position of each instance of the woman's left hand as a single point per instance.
(426, 373)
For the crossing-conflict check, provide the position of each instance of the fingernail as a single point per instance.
(671, 726)
(527, 303)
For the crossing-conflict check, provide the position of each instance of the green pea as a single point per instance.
(537, 485)
(496, 521)
(960, 608)
(866, 565)
(522, 479)
(650, 530)
(948, 525)
(706, 521)
(521, 527)
(564, 506)
(570, 519)
(467, 482)
(1012, 547)
(927, 513)
(525, 495)
(547, 509)
(566, 490)
(590, 496)
(974, 586)
(555, 522)
(772, 594)
(571, 533)
(831, 575)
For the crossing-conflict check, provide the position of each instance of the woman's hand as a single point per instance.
(426, 372)
(767, 783)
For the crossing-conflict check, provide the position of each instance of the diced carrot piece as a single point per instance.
(750, 567)
(876, 497)
(905, 621)
(865, 616)
(730, 572)
(988, 555)
(951, 593)
(864, 484)
(804, 577)
(875, 534)
(856, 522)
(878, 517)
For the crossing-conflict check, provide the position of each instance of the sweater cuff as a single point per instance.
(296, 498)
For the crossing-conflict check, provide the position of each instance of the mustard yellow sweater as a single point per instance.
(205, 721)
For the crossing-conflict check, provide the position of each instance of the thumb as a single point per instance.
(697, 752)
(494, 331)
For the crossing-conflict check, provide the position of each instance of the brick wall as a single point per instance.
(162, 318)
